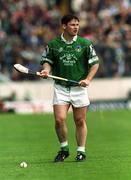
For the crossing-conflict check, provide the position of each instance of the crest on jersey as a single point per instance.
(78, 48)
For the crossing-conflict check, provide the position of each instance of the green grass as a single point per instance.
(32, 138)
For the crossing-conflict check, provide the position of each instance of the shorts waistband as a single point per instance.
(67, 86)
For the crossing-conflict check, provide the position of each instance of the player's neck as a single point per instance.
(67, 37)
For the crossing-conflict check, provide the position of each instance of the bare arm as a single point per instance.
(46, 70)
(91, 74)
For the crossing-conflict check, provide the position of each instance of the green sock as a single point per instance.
(65, 148)
(80, 152)
(81, 149)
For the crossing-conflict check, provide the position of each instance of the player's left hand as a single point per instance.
(84, 82)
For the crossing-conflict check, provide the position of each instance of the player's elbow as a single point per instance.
(95, 66)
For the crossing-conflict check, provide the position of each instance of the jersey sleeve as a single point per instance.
(47, 56)
(92, 57)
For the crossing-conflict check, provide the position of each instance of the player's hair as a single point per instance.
(67, 18)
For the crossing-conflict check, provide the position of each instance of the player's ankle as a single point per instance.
(64, 146)
(81, 149)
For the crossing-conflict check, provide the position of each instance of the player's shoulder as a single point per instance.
(84, 40)
(54, 41)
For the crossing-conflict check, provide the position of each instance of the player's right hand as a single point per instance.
(44, 73)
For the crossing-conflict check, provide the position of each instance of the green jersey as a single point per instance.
(70, 60)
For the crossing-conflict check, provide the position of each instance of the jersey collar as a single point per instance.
(68, 42)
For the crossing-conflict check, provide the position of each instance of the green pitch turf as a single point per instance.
(32, 138)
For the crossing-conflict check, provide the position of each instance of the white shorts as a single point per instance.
(75, 95)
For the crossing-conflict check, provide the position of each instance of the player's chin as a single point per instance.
(74, 34)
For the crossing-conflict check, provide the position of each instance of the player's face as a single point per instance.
(72, 27)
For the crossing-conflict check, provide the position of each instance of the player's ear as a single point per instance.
(63, 26)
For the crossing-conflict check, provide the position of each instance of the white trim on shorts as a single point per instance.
(77, 96)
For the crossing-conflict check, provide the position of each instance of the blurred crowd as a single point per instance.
(108, 24)
(25, 29)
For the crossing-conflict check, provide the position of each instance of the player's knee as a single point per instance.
(80, 122)
(59, 121)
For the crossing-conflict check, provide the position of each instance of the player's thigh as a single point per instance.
(60, 111)
(79, 113)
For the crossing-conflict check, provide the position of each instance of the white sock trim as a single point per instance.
(81, 148)
(63, 144)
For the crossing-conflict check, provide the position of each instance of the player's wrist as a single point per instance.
(88, 79)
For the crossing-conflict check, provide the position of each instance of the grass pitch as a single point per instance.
(32, 138)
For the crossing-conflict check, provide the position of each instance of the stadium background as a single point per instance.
(27, 26)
